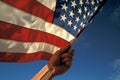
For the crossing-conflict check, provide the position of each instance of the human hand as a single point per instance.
(61, 60)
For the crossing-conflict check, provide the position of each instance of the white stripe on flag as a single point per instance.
(26, 47)
(15, 16)
(48, 3)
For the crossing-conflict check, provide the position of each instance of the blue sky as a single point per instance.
(97, 52)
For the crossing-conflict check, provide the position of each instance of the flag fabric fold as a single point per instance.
(32, 30)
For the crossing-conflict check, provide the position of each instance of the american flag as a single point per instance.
(35, 29)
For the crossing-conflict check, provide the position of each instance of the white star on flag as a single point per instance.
(73, 3)
(64, 7)
(63, 17)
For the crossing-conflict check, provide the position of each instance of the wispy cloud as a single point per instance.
(116, 67)
(117, 77)
(115, 17)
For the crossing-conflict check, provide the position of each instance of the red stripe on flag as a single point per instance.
(33, 7)
(22, 57)
(18, 33)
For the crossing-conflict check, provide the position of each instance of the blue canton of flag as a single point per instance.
(74, 15)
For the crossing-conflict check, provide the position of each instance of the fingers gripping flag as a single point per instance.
(35, 29)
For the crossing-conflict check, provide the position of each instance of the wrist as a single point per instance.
(45, 73)
(52, 68)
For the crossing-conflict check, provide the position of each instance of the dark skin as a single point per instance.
(61, 61)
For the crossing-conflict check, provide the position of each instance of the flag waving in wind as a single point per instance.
(35, 29)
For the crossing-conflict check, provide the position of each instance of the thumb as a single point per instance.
(63, 50)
